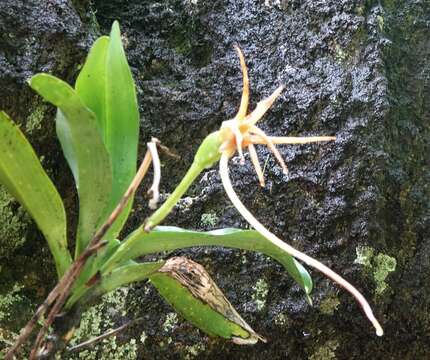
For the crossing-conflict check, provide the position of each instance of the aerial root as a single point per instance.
(154, 189)
(224, 172)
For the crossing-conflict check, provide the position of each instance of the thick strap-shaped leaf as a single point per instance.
(24, 177)
(92, 266)
(187, 286)
(125, 274)
(169, 238)
(122, 116)
(106, 86)
(84, 150)
(91, 82)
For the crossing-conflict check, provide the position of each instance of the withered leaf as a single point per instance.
(187, 286)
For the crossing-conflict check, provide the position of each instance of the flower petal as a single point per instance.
(241, 114)
(262, 107)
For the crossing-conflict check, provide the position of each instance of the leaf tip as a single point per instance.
(309, 300)
(251, 340)
(115, 28)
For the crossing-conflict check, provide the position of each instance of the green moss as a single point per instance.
(166, 342)
(143, 337)
(340, 54)
(194, 350)
(325, 352)
(360, 10)
(15, 310)
(259, 296)
(158, 68)
(8, 301)
(96, 321)
(364, 255)
(347, 53)
(93, 23)
(7, 339)
(380, 266)
(281, 320)
(85, 10)
(13, 226)
(209, 219)
(357, 42)
(384, 266)
(329, 305)
(380, 20)
(35, 119)
(182, 38)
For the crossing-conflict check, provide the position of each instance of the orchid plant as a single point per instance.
(98, 124)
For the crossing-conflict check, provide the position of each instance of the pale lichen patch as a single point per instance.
(261, 289)
(96, 321)
(209, 219)
(7, 339)
(326, 351)
(9, 300)
(364, 255)
(281, 320)
(170, 322)
(194, 350)
(143, 337)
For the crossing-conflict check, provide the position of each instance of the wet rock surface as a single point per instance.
(355, 69)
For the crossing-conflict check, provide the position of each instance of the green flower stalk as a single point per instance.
(207, 155)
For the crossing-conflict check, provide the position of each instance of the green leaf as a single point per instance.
(24, 177)
(122, 116)
(122, 123)
(84, 150)
(122, 275)
(105, 253)
(191, 291)
(92, 266)
(169, 238)
(106, 86)
(91, 82)
(127, 274)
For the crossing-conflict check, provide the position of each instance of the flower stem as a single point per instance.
(206, 156)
